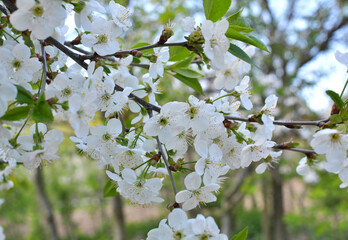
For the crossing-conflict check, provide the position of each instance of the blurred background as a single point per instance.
(64, 200)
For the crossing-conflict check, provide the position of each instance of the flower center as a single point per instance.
(37, 10)
(106, 97)
(192, 112)
(16, 64)
(148, 88)
(204, 236)
(66, 92)
(163, 121)
(106, 137)
(335, 137)
(178, 235)
(102, 39)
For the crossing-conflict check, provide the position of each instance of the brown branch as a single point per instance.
(3, 10)
(146, 66)
(44, 63)
(317, 123)
(155, 45)
(308, 153)
(165, 160)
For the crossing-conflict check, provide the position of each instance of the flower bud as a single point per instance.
(153, 58)
(227, 124)
(137, 53)
(156, 157)
(166, 34)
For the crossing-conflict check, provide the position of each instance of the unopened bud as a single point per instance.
(137, 53)
(227, 124)
(335, 109)
(77, 40)
(156, 157)
(166, 34)
(52, 75)
(174, 167)
(153, 58)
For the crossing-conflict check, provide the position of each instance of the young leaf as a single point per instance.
(241, 235)
(178, 53)
(344, 114)
(335, 119)
(234, 16)
(188, 73)
(336, 98)
(214, 10)
(42, 111)
(23, 96)
(109, 189)
(146, 51)
(239, 53)
(16, 114)
(191, 82)
(184, 63)
(233, 34)
(106, 70)
(241, 25)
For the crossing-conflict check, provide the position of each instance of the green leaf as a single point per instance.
(344, 114)
(336, 98)
(241, 235)
(178, 53)
(241, 25)
(106, 70)
(109, 189)
(233, 34)
(42, 111)
(335, 119)
(146, 51)
(234, 16)
(239, 53)
(16, 114)
(184, 63)
(23, 96)
(188, 73)
(191, 82)
(215, 9)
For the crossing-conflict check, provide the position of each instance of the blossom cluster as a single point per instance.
(178, 226)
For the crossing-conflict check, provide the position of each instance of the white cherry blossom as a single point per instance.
(120, 15)
(156, 68)
(195, 194)
(39, 17)
(216, 43)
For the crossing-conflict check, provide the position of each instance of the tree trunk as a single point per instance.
(278, 225)
(119, 216)
(51, 222)
(266, 216)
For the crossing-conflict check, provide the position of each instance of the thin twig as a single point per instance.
(155, 45)
(283, 123)
(67, 43)
(44, 62)
(308, 153)
(124, 128)
(165, 160)
(146, 66)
